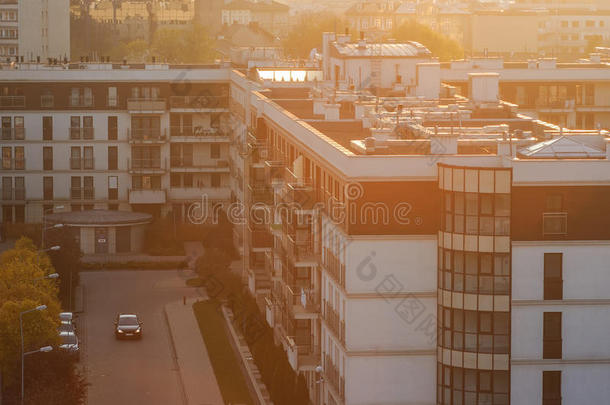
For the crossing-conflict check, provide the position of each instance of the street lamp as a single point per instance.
(44, 221)
(38, 308)
(51, 276)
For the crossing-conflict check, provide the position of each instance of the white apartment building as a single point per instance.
(35, 29)
(572, 95)
(149, 138)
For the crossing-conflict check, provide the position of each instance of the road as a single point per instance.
(130, 372)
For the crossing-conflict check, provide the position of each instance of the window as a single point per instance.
(553, 282)
(47, 158)
(214, 151)
(88, 127)
(47, 188)
(113, 188)
(7, 124)
(19, 128)
(113, 98)
(575, 24)
(75, 188)
(19, 214)
(7, 188)
(552, 347)
(215, 180)
(75, 127)
(20, 188)
(88, 162)
(113, 130)
(47, 128)
(551, 388)
(113, 158)
(89, 192)
(75, 160)
(19, 158)
(7, 157)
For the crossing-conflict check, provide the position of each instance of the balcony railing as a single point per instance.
(302, 300)
(81, 132)
(47, 101)
(301, 250)
(554, 223)
(187, 162)
(196, 131)
(80, 193)
(146, 164)
(261, 239)
(198, 102)
(13, 194)
(334, 377)
(13, 164)
(146, 196)
(334, 322)
(9, 134)
(12, 101)
(146, 104)
(146, 135)
(274, 171)
(82, 163)
(81, 101)
(334, 267)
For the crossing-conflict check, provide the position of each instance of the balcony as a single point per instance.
(334, 267)
(260, 239)
(10, 102)
(333, 377)
(197, 193)
(302, 357)
(81, 101)
(80, 193)
(47, 101)
(197, 134)
(186, 164)
(300, 250)
(554, 223)
(146, 105)
(260, 194)
(81, 133)
(82, 164)
(274, 172)
(146, 196)
(198, 103)
(273, 267)
(13, 134)
(12, 194)
(13, 164)
(334, 322)
(298, 192)
(302, 303)
(147, 165)
(146, 135)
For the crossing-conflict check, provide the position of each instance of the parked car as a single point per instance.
(66, 327)
(69, 344)
(66, 322)
(127, 326)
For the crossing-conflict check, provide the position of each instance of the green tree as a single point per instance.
(441, 46)
(307, 33)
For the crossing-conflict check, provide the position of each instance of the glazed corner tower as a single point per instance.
(474, 286)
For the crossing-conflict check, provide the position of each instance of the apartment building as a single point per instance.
(32, 29)
(268, 14)
(431, 249)
(149, 138)
(571, 95)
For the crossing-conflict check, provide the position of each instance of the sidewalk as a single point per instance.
(196, 372)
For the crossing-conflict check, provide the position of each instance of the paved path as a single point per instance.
(146, 371)
(196, 370)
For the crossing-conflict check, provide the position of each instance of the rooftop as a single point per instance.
(363, 49)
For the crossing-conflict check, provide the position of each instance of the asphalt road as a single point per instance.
(130, 372)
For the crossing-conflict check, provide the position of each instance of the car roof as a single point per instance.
(128, 316)
(66, 333)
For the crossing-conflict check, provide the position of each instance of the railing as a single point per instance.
(81, 101)
(82, 163)
(81, 132)
(12, 133)
(113, 103)
(196, 131)
(334, 377)
(307, 300)
(146, 104)
(335, 268)
(47, 101)
(196, 102)
(187, 162)
(258, 152)
(554, 223)
(13, 164)
(274, 171)
(13, 194)
(146, 164)
(12, 101)
(80, 193)
(334, 322)
(300, 250)
(141, 195)
(260, 194)
(145, 134)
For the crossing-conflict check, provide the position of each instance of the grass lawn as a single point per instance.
(230, 379)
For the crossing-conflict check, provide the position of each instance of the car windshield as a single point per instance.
(68, 339)
(129, 320)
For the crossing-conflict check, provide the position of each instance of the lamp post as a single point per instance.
(44, 222)
(38, 308)
(51, 276)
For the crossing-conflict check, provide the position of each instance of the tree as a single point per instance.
(441, 46)
(307, 33)
(192, 45)
(213, 262)
(67, 263)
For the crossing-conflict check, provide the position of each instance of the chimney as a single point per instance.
(331, 112)
(484, 87)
